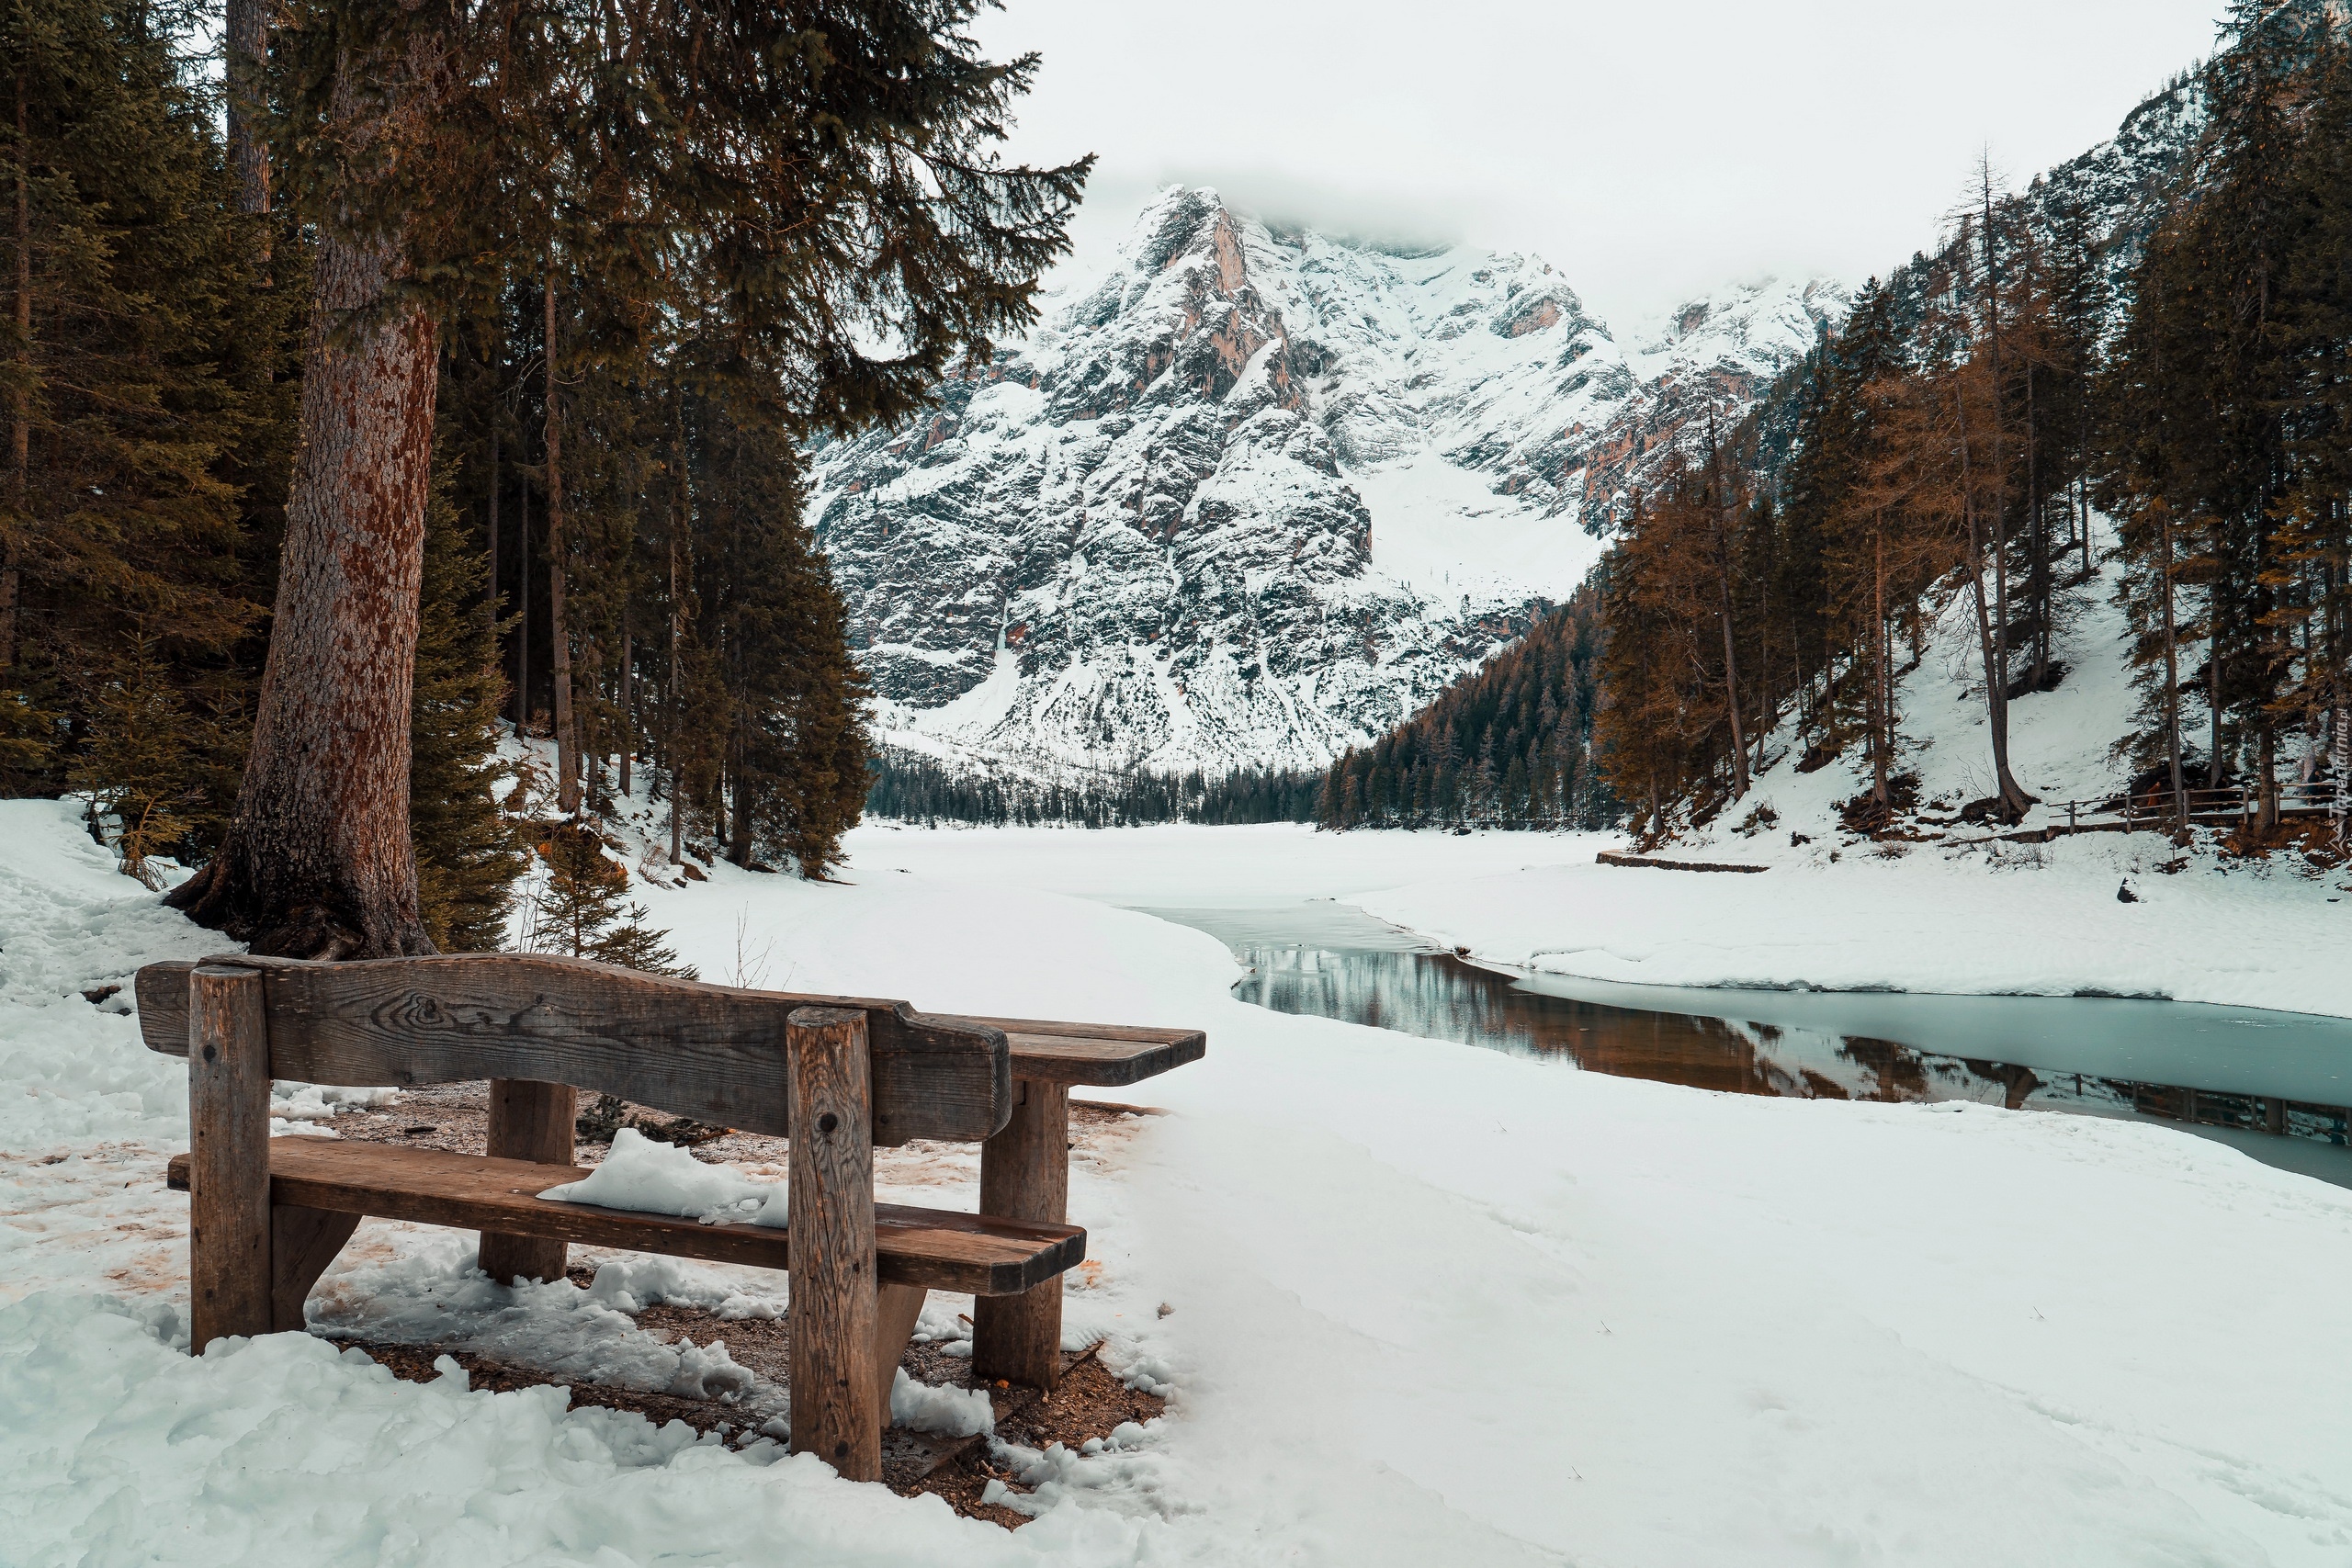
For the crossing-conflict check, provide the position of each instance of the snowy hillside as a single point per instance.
(1937, 903)
(1254, 496)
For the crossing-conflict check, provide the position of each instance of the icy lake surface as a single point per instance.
(2274, 1085)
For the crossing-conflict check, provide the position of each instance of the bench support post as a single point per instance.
(302, 1242)
(228, 1115)
(533, 1121)
(833, 1314)
(896, 1310)
(1025, 1174)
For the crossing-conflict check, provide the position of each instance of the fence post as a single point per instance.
(228, 1118)
(836, 1414)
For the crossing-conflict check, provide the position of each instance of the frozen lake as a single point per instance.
(2272, 1084)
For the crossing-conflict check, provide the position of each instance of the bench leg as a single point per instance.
(833, 1316)
(1025, 1174)
(302, 1242)
(228, 1116)
(534, 1121)
(896, 1310)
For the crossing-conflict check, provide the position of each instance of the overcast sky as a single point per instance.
(1649, 150)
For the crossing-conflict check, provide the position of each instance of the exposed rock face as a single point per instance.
(1256, 495)
(1702, 369)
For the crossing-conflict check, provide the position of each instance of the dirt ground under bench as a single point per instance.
(1089, 1401)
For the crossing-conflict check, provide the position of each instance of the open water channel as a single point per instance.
(2273, 1083)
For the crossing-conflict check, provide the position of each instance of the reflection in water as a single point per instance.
(1330, 962)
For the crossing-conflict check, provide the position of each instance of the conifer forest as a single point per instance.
(1959, 433)
(512, 272)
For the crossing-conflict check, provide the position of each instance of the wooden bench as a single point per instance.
(267, 1217)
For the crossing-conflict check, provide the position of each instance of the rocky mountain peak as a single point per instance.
(1250, 497)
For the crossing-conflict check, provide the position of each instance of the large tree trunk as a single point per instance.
(317, 862)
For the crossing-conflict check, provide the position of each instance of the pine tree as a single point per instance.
(581, 909)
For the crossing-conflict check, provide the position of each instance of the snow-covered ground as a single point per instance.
(1428, 1304)
(1961, 912)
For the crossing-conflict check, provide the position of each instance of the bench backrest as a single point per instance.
(714, 1053)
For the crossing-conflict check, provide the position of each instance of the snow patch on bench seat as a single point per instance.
(654, 1178)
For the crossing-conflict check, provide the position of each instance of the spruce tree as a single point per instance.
(138, 768)
(468, 851)
(137, 372)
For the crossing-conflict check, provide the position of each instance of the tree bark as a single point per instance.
(2013, 800)
(1882, 721)
(677, 693)
(2214, 692)
(245, 42)
(2038, 589)
(522, 599)
(494, 606)
(2269, 806)
(20, 422)
(318, 862)
(2172, 673)
(566, 744)
(1731, 655)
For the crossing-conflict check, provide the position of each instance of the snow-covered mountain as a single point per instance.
(1256, 494)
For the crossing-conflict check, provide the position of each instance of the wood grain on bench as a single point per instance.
(931, 1247)
(712, 1053)
(1097, 1054)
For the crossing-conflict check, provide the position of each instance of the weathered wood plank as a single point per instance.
(936, 1249)
(712, 1053)
(227, 1042)
(532, 1122)
(302, 1243)
(1132, 1034)
(832, 1312)
(1109, 1064)
(1025, 1174)
(897, 1308)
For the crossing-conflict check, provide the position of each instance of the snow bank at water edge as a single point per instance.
(1427, 1304)
(2044, 921)
(1955, 909)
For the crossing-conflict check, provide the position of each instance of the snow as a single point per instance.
(1412, 1303)
(1255, 494)
(1963, 914)
(665, 1178)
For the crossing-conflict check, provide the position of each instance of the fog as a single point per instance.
(1649, 152)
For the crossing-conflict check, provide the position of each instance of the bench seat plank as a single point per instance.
(935, 1248)
(1097, 1054)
